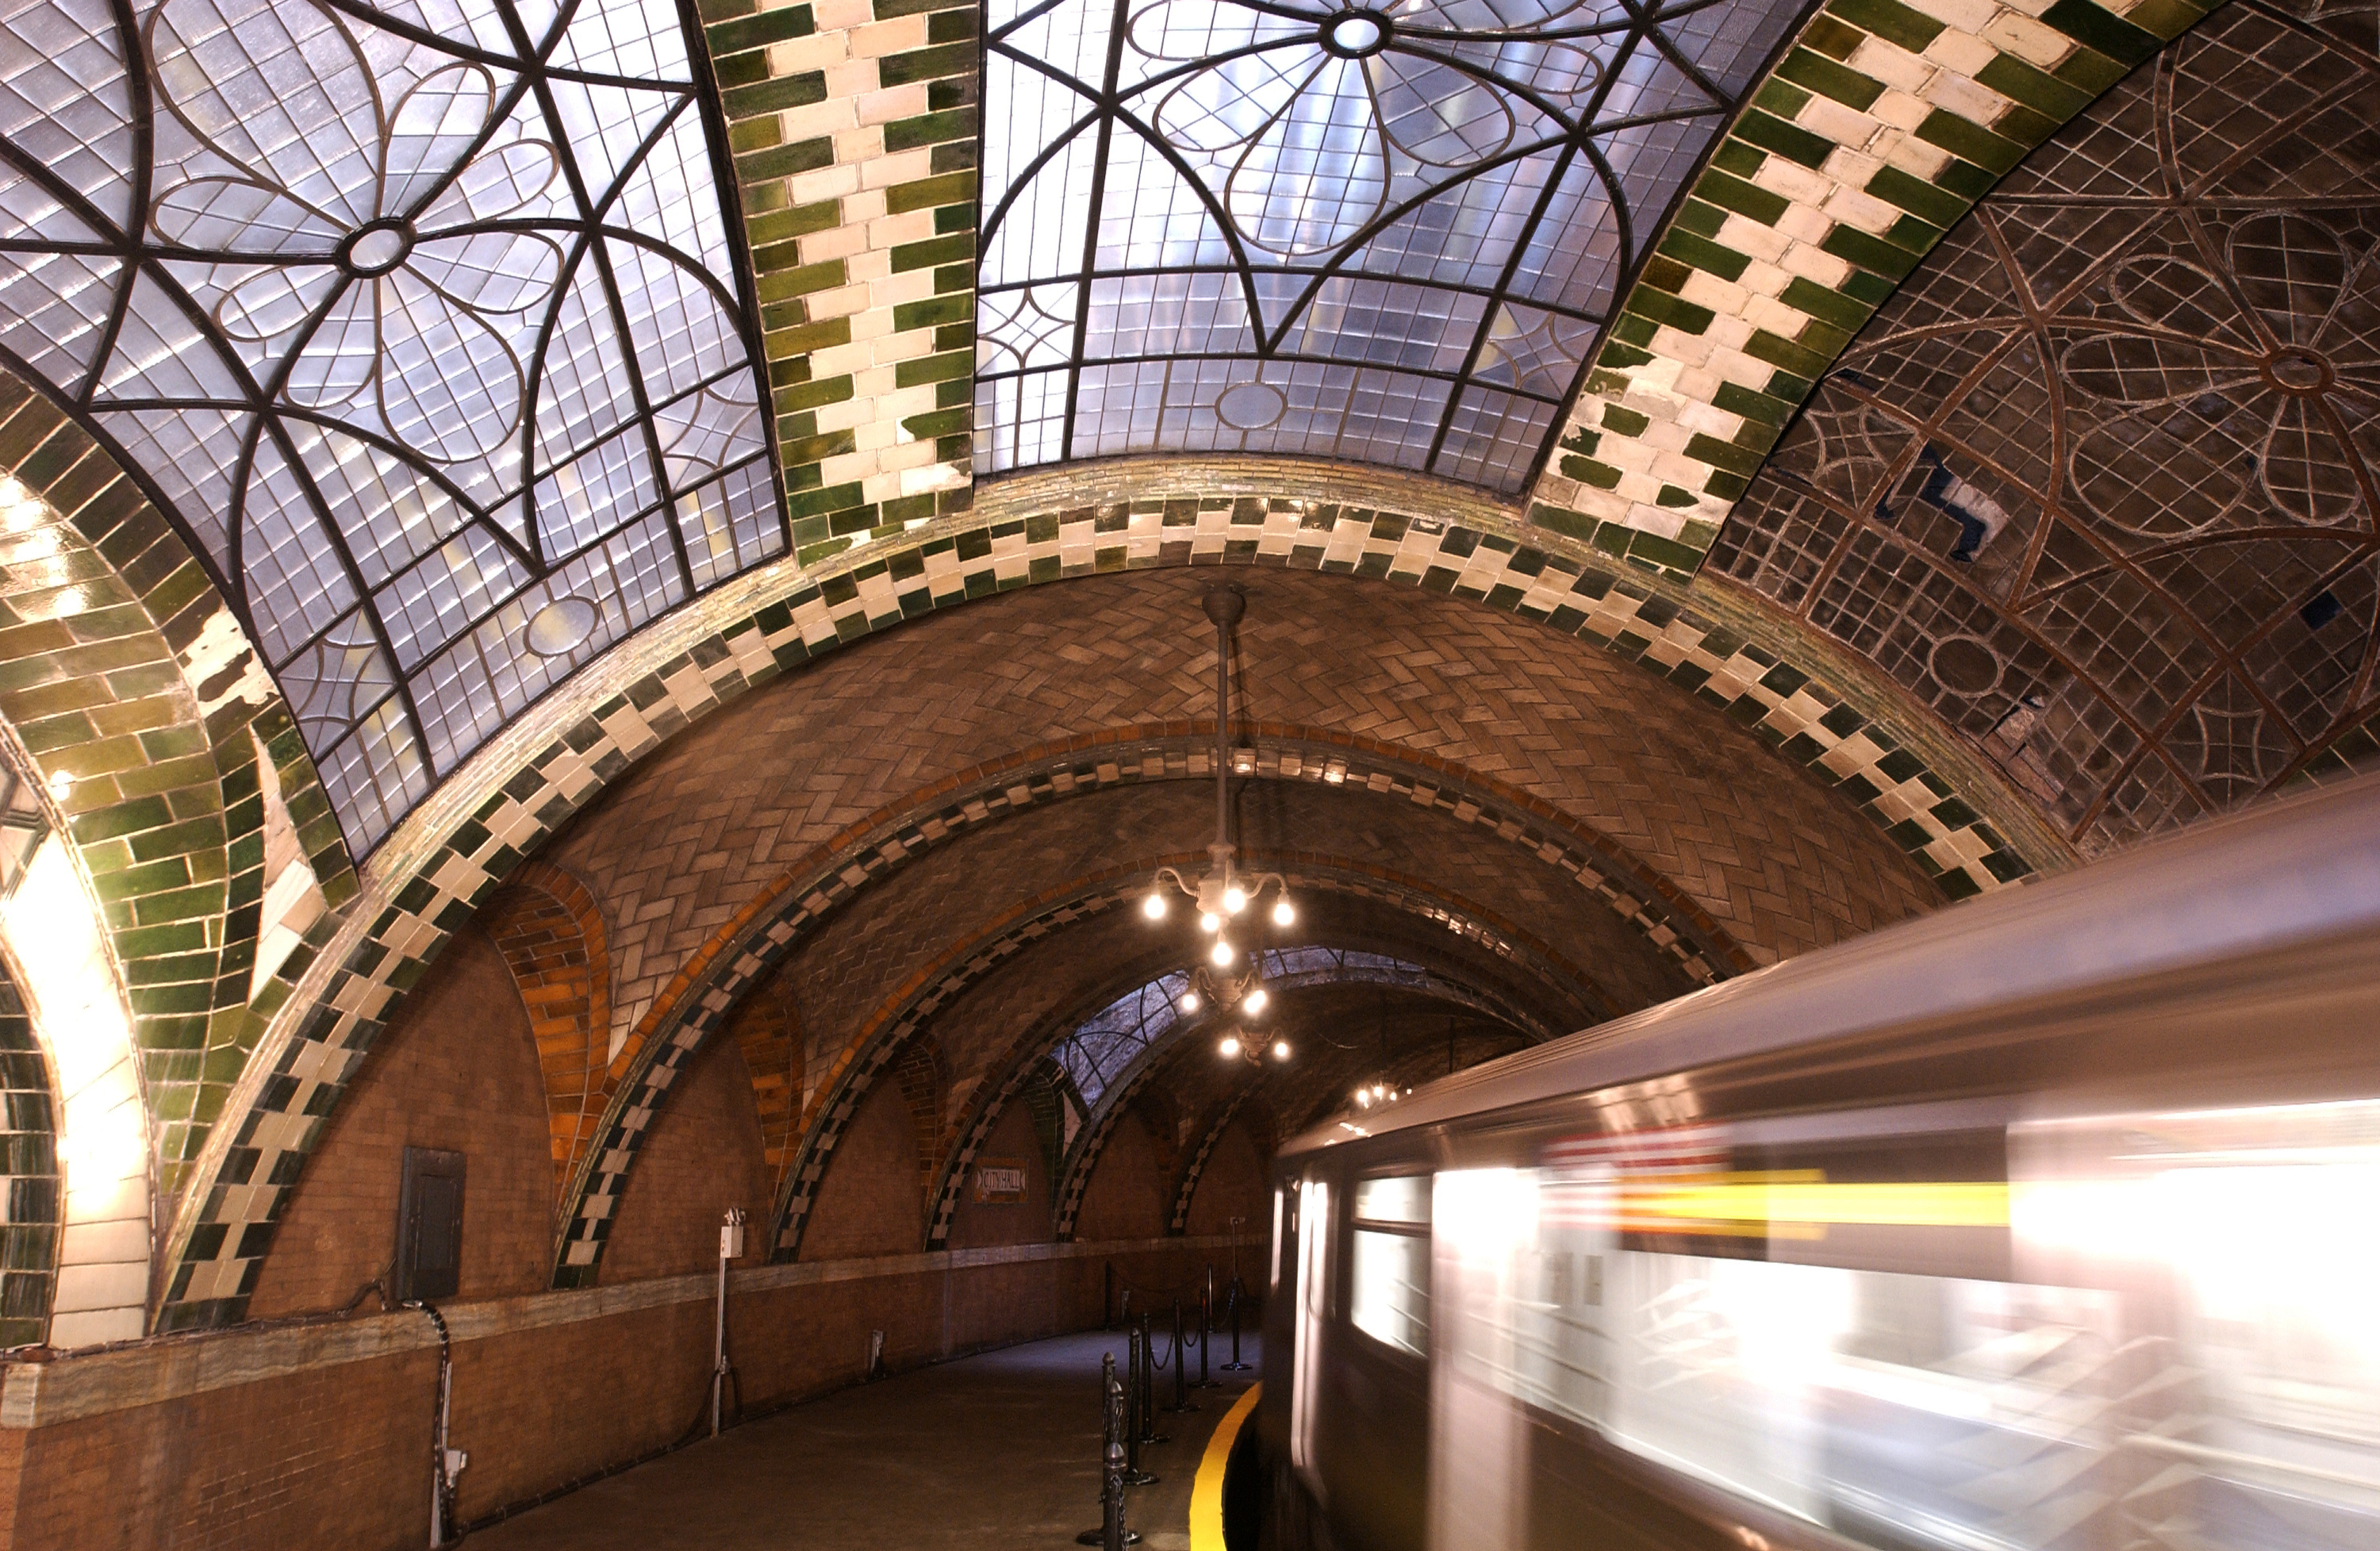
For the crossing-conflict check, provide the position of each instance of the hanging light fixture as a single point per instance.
(1223, 892)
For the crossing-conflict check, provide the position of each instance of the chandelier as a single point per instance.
(1231, 982)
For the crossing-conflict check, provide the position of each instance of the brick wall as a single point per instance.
(869, 1203)
(702, 1157)
(977, 1223)
(317, 1436)
(1232, 1184)
(1125, 1198)
(456, 1069)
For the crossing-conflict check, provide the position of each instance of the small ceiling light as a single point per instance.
(1256, 999)
(1230, 1047)
(1282, 915)
(1280, 1049)
(1364, 1098)
(1154, 906)
(1189, 1003)
(1209, 922)
(1235, 899)
(1219, 954)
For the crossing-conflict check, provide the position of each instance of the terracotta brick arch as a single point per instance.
(1014, 1070)
(1713, 653)
(742, 951)
(889, 1032)
(550, 930)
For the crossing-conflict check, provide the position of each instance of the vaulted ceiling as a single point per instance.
(1711, 479)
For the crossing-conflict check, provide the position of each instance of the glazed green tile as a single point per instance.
(1829, 78)
(1734, 193)
(1893, 22)
(1917, 197)
(1709, 256)
(755, 134)
(933, 250)
(946, 367)
(785, 160)
(925, 63)
(1734, 156)
(1737, 399)
(2090, 69)
(1871, 253)
(1700, 218)
(1587, 471)
(926, 193)
(1969, 141)
(1787, 139)
(1627, 422)
(932, 129)
(2102, 31)
(1705, 448)
(1631, 329)
(1675, 313)
(772, 96)
(2037, 90)
(760, 29)
(1778, 351)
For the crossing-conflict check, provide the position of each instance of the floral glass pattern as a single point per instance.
(421, 318)
(1387, 231)
(2099, 484)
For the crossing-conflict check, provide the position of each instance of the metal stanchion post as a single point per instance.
(1148, 1433)
(1205, 1327)
(1180, 1364)
(1126, 1318)
(1235, 1365)
(1136, 1380)
(1111, 1534)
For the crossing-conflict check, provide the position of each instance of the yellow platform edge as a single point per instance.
(1206, 1491)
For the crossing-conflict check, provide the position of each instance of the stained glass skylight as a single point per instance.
(1387, 231)
(421, 317)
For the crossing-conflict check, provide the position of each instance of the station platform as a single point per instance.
(993, 1452)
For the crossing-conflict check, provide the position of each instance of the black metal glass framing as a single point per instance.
(425, 320)
(1388, 231)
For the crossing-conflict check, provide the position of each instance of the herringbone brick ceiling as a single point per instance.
(698, 839)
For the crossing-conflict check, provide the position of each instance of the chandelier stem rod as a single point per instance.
(1223, 605)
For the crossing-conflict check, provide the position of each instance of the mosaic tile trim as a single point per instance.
(1187, 1190)
(133, 690)
(853, 127)
(32, 1209)
(573, 749)
(1882, 124)
(1090, 1142)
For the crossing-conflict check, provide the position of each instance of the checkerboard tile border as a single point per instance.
(1187, 1189)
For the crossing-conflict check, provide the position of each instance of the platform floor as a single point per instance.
(996, 1452)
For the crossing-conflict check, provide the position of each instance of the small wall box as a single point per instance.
(430, 1226)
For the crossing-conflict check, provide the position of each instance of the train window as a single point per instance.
(1389, 1263)
(1390, 1302)
(1402, 1199)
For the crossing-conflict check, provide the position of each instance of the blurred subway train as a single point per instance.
(2048, 1221)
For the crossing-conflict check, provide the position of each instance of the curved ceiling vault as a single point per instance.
(446, 353)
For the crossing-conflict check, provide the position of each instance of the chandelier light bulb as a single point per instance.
(1280, 1049)
(1209, 922)
(1282, 915)
(1154, 906)
(1235, 899)
(1189, 1003)
(1364, 1098)
(1256, 999)
(1230, 1047)
(1221, 955)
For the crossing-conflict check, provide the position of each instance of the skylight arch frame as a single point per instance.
(1561, 168)
(682, 370)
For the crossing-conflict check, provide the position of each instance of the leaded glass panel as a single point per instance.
(421, 317)
(1388, 231)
